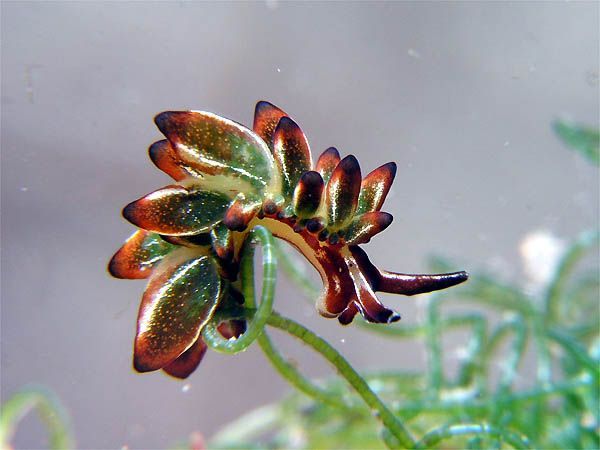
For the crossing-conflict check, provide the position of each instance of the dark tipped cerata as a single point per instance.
(227, 180)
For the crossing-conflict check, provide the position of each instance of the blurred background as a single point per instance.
(460, 95)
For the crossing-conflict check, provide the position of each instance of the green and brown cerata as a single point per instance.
(227, 180)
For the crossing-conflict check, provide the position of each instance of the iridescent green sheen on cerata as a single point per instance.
(228, 180)
(292, 154)
(327, 163)
(343, 189)
(177, 211)
(365, 226)
(164, 157)
(217, 146)
(139, 255)
(178, 302)
(308, 194)
(375, 187)
(222, 241)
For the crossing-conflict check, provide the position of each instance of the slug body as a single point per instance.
(227, 180)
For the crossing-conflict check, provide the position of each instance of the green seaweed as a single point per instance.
(50, 411)
(475, 409)
(582, 139)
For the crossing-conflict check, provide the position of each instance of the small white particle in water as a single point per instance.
(591, 78)
(541, 252)
(457, 395)
(278, 70)
(506, 143)
(24, 189)
(343, 341)
(413, 53)
(186, 387)
(587, 420)
(585, 377)
(461, 353)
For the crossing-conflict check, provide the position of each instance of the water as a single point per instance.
(460, 95)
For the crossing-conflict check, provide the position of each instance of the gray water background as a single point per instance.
(460, 95)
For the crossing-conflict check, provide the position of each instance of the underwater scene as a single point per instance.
(300, 225)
